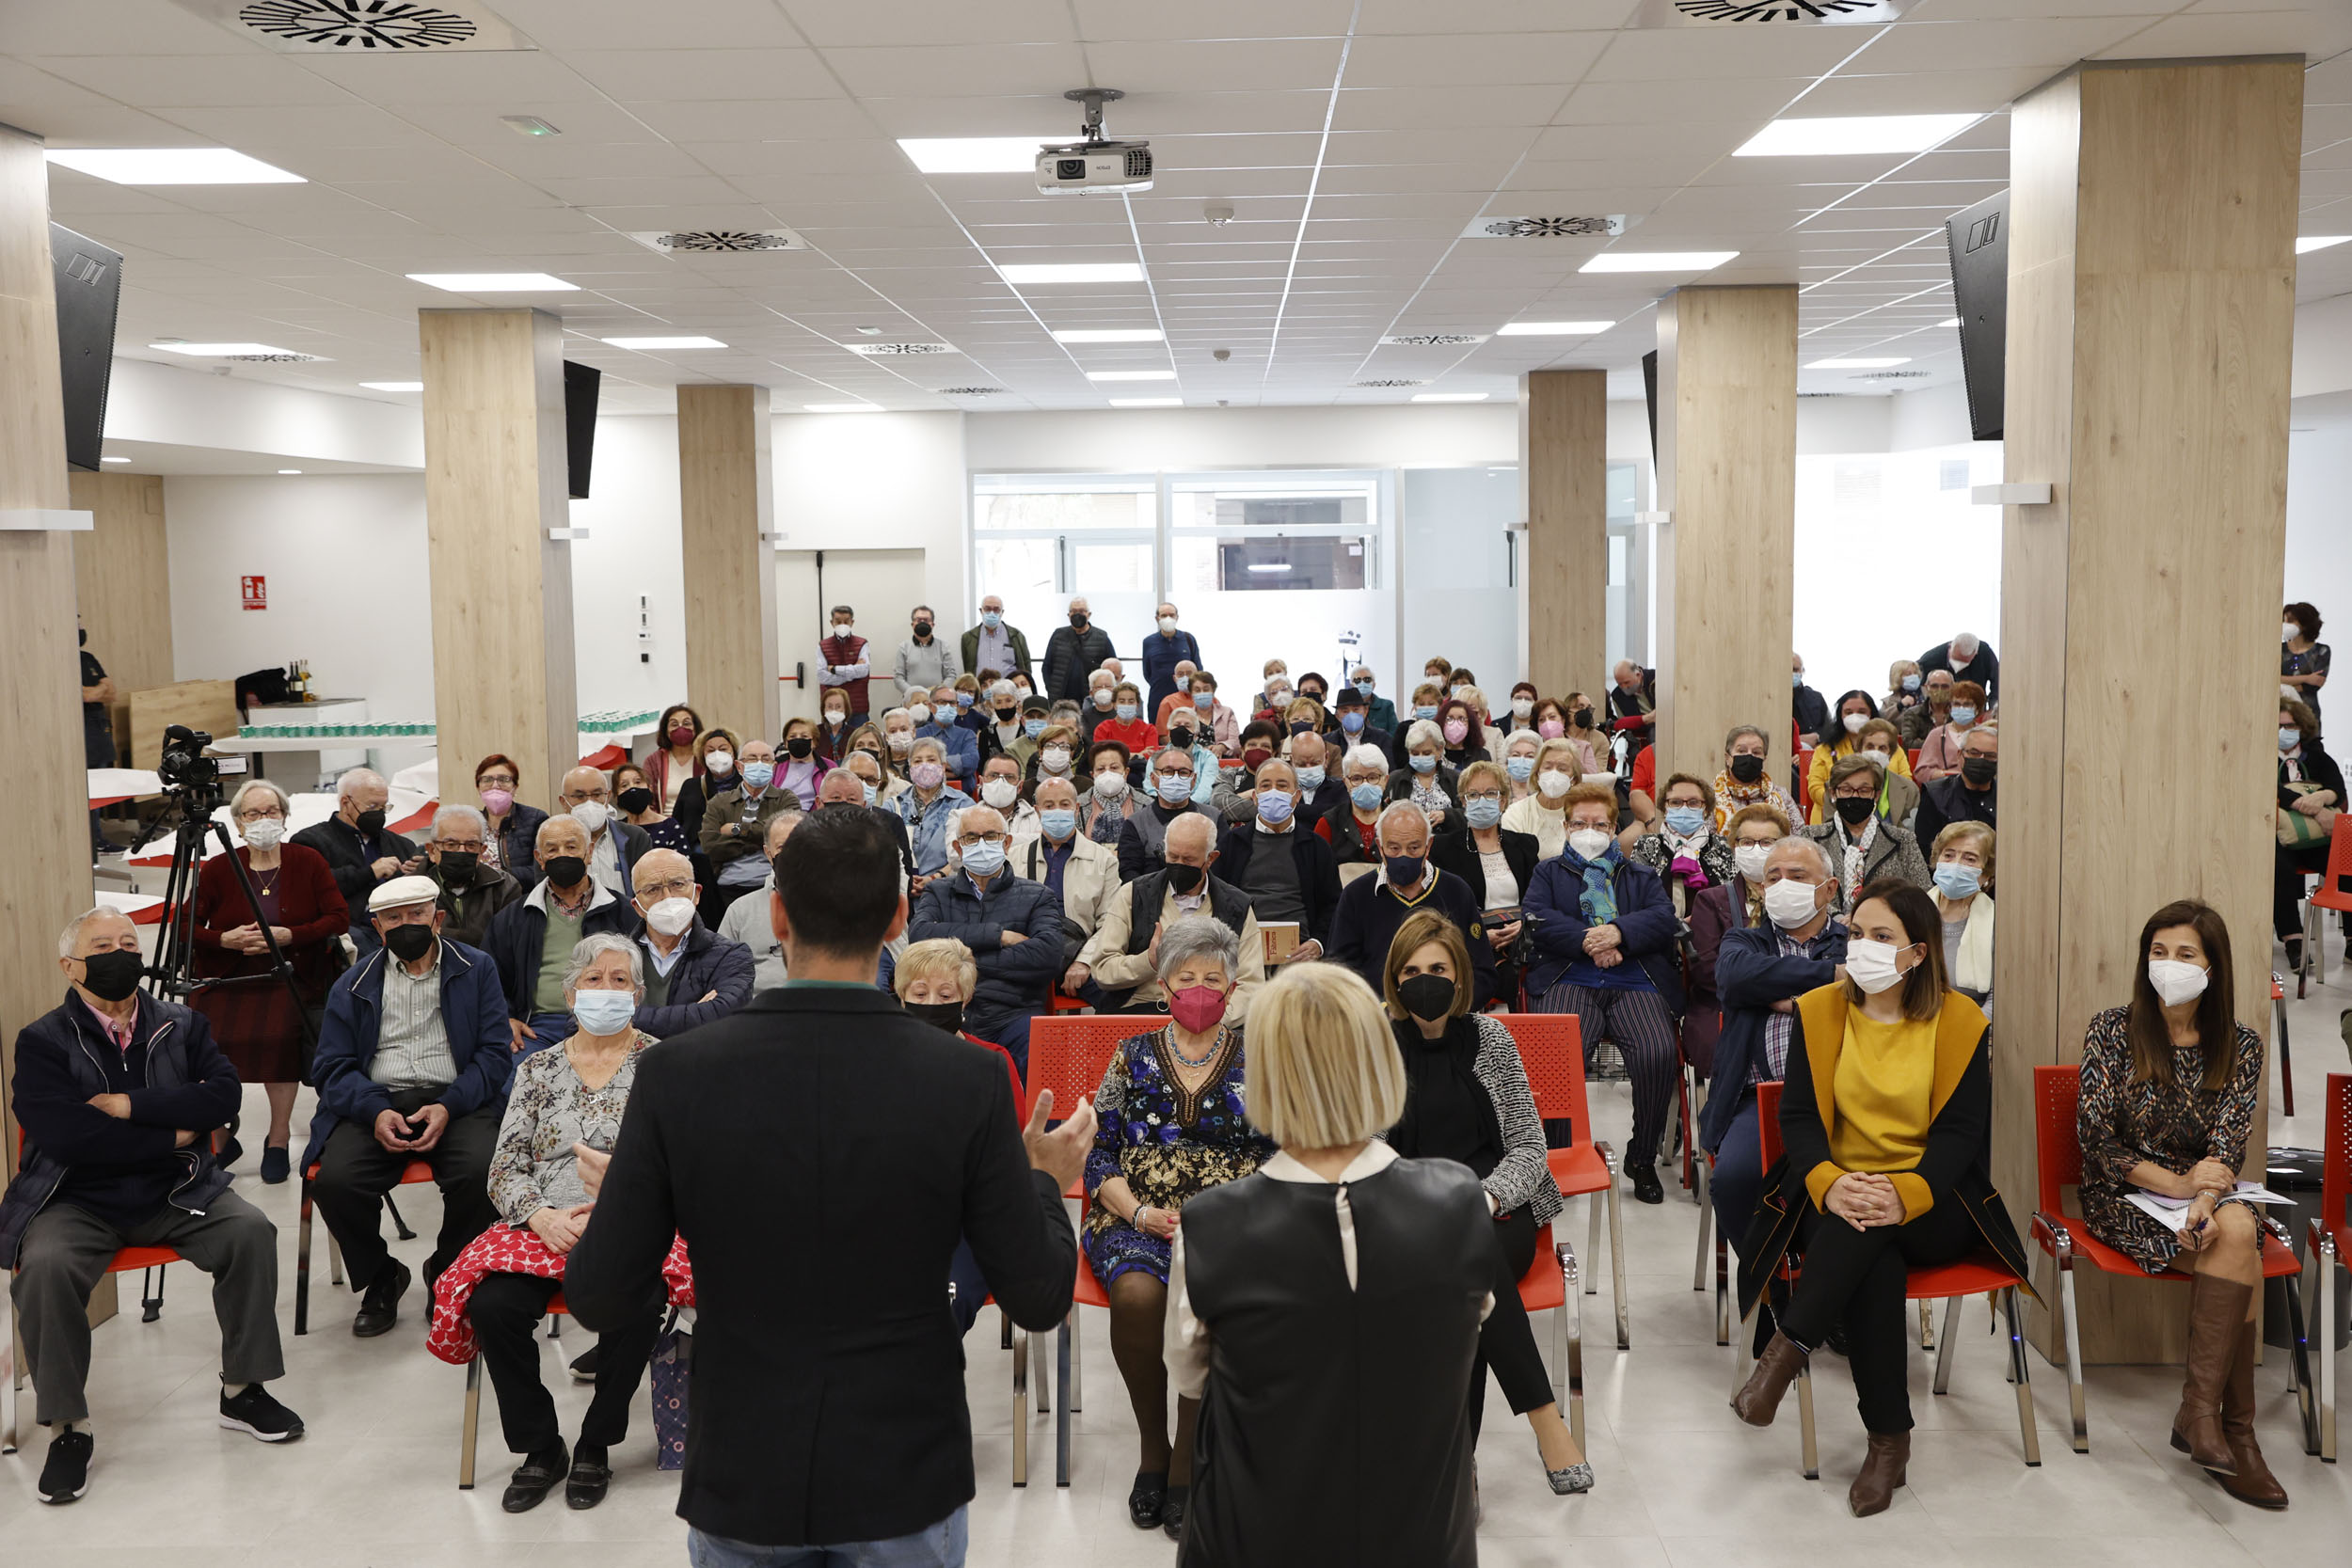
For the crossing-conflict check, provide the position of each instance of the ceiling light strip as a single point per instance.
(1314, 182)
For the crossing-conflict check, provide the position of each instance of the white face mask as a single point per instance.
(1853, 721)
(1522, 707)
(1053, 759)
(901, 740)
(1588, 842)
(1879, 757)
(721, 763)
(593, 815)
(264, 832)
(999, 793)
(1168, 626)
(1554, 783)
(2176, 982)
(1750, 859)
(919, 712)
(1110, 785)
(1791, 903)
(1103, 696)
(2289, 631)
(671, 915)
(1871, 965)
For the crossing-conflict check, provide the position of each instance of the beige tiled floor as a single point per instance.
(1682, 1485)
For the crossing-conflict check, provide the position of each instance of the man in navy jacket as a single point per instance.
(117, 1092)
(413, 1064)
(693, 975)
(1012, 925)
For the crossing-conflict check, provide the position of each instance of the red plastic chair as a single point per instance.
(2059, 1163)
(1982, 1272)
(2333, 893)
(471, 1431)
(126, 1260)
(2329, 1237)
(1552, 1051)
(414, 1172)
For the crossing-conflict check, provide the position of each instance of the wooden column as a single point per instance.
(122, 584)
(1727, 483)
(2151, 325)
(1564, 482)
(726, 502)
(495, 492)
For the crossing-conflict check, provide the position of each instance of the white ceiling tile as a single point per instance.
(1409, 108)
(2320, 32)
(960, 70)
(631, 24)
(1227, 65)
(1479, 59)
(690, 74)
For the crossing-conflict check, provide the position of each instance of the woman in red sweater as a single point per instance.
(1127, 725)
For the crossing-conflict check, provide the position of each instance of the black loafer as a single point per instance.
(590, 1479)
(1147, 1499)
(533, 1479)
(1172, 1512)
(379, 1309)
(1645, 1185)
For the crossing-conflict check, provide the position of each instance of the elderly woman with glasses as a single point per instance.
(261, 1029)
(1173, 1126)
(930, 806)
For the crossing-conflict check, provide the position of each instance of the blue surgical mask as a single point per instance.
(1352, 719)
(1275, 807)
(603, 1012)
(1204, 701)
(1422, 762)
(1427, 710)
(1683, 821)
(1365, 687)
(1058, 824)
(1911, 682)
(1796, 678)
(991, 618)
(1311, 780)
(759, 774)
(2289, 739)
(1366, 794)
(1964, 713)
(1520, 768)
(1033, 727)
(1174, 787)
(964, 698)
(870, 791)
(984, 858)
(1482, 812)
(1957, 881)
(1126, 713)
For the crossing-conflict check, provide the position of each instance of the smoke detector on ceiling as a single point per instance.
(1392, 381)
(1708, 13)
(1433, 339)
(716, 242)
(361, 27)
(876, 349)
(1546, 228)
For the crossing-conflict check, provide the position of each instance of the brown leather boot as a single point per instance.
(1758, 1399)
(1883, 1468)
(2253, 1484)
(2217, 1317)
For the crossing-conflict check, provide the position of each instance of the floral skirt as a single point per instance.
(510, 1249)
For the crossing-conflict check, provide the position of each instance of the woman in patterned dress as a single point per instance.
(1173, 1127)
(2170, 1086)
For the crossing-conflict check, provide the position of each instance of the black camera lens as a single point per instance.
(1069, 168)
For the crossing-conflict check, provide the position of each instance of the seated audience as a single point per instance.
(1544, 813)
(1899, 797)
(746, 922)
(674, 757)
(1172, 780)
(532, 939)
(360, 851)
(1223, 725)
(1902, 689)
(1631, 704)
(719, 752)
(1939, 752)
(1011, 925)
(1372, 907)
(1282, 865)
(1463, 735)
(1173, 1126)
(1000, 791)
(1577, 722)
(1466, 1100)
(1379, 713)
(613, 846)
(998, 723)
(561, 1101)
(2171, 1086)
(1276, 694)
(117, 1094)
(473, 890)
(1685, 850)
(1054, 751)
(1971, 795)
(1861, 844)
(936, 719)
(1110, 796)
(929, 808)
(1519, 750)
(1427, 780)
(1353, 826)
(1746, 779)
(413, 1064)
(1963, 874)
(1885, 1118)
(1189, 733)
(1179, 693)
(514, 827)
(633, 796)
(897, 733)
(1494, 861)
(1788, 945)
(1119, 957)
(1101, 702)
(1229, 790)
(1076, 870)
(1854, 712)
(2311, 794)
(1933, 711)
(736, 821)
(1522, 710)
(257, 1025)
(1717, 909)
(1427, 698)
(691, 974)
(799, 769)
(1315, 763)
(1966, 657)
(1352, 726)
(832, 725)
(1603, 937)
(1483, 731)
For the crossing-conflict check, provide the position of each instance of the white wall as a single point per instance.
(1146, 440)
(2319, 513)
(163, 403)
(633, 549)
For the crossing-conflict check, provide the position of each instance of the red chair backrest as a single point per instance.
(2058, 1149)
(2335, 1179)
(2335, 888)
(1913, 755)
(1068, 1053)
(1768, 1120)
(1552, 1048)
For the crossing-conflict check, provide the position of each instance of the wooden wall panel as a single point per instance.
(727, 507)
(1564, 477)
(122, 583)
(493, 486)
(1728, 480)
(2152, 296)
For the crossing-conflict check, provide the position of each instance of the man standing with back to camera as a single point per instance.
(822, 1153)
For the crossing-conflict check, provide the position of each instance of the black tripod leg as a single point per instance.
(151, 1304)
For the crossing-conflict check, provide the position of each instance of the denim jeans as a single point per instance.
(940, 1547)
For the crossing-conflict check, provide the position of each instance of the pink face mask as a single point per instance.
(1197, 1009)
(1552, 729)
(1455, 731)
(927, 775)
(497, 801)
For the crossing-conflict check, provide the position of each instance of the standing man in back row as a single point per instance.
(841, 661)
(1968, 657)
(994, 645)
(1073, 653)
(1167, 646)
(924, 660)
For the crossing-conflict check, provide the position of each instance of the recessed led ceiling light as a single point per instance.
(290, 470)
(394, 386)
(220, 351)
(1131, 376)
(973, 154)
(2306, 243)
(1856, 364)
(1796, 138)
(688, 340)
(172, 165)
(1658, 261)
(1551, 329)
(113, 460)
(1449, 397)
(1111, 334)
(492, 283)
(843, 407)
(528, 125)
(1073, 272)
(1146, 402)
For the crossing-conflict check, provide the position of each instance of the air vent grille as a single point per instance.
(1548, 229)
(1392, 381)
(970, 391)
(1138, 163)
(1433, 339)
(1704, 13)
(276, 358)
(717, 242)
(876, 350)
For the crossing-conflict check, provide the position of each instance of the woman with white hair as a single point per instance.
(1353, 825)
(259, 1028)
(1545, 812)
(1337, 1294)
(931, 805)
(1172, 1127)
(1427, 778)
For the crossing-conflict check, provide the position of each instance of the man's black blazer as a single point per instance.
(822, 1153)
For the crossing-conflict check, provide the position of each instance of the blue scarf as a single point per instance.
(1600, 899)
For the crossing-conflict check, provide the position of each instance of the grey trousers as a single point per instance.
(65, 1252)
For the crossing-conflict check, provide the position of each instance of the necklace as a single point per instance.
(1176, 1051)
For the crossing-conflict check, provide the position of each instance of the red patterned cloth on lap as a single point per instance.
(505, 1249)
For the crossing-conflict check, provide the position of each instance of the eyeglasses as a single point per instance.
(968, 840)
(682, 887)
(1494, 795)
(259, 813)
(1866, 794)
(458, 846)
(495, 781)
(1184, 778)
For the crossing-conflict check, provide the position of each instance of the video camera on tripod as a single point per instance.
(184, 767)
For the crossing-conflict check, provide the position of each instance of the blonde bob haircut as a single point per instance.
(935, 959)
(1322, 1070)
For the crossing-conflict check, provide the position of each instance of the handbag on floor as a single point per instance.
(672, 1359)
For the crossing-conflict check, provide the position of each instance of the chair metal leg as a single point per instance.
(399, 1225)
(2322, 1273)
(1926, 1325)
(1707, 1225)
(1616, 1252)
(2299, 1368)
(151, 1303)
(334, 1259)
(1740, 1343)
(1951, 1341)
(2286, 1055)
(1570, 1355)
(302, 1263)
(1003, 1327)
(471, 1431)
(1077, 1364)
(2019, 1374)
(1061, 1398)
(1592, 1242)
(8, 1370)
(2073, 1345)
(1020, 1403)
(1804, 1413)
(555, 1325)
(1723, 1288)
(1045, 1382)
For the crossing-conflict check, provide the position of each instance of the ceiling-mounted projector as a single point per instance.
(1093, 163)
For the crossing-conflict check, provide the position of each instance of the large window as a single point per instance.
(1040, 540)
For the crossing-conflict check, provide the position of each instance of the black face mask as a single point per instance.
(1583, 718)
(459, 866)
(1300, 726)
(1315, 697)
(82, 638)
(634, 800)
(1427, 997)
(1404, 870)
(1077, 623)
(1181, 739)
(922, 628)
(948, 1016)
(409, 943)
(1007, 715)
(1979, 770)
(798, 746)
(112, 976)
(1183, 879)
(567, 870)
(370, 822)
(1854, 810)
(1747, 768)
